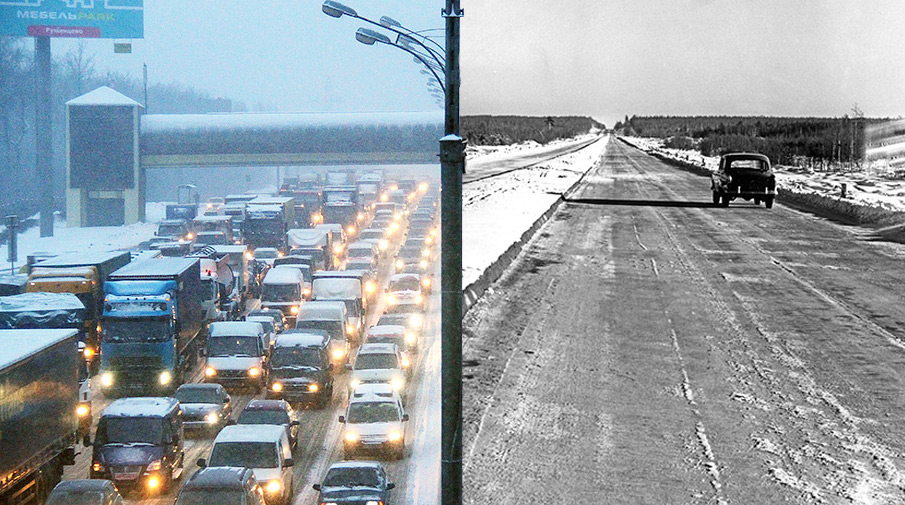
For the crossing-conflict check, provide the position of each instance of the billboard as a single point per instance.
(101, 148)
(105, 19)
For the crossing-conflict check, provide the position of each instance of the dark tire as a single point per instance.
(724, 201)
(716, 198)
(768, 202)
(756, 200)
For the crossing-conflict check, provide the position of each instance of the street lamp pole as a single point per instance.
(452, 163)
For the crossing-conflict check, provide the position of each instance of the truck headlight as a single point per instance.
(82, 411)
(294, 310)
(273, 486)
(165, 378)
(410, 338)
(350, 330)
(416, 321)
(276, 387)
(153, 482)
(338, 249)
(370, 287)
(397, 383)
(107, 379)
(394, 436)
(253, 372)
(351, 436)
(354, 383)
(313, 387)
(211, 418)
(154, 466)
(338, 353)
(210, 371)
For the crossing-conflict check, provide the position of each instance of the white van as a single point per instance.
(331, 317)
(283, 289)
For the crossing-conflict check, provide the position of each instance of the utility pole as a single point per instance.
(452, 163)
(43, 134)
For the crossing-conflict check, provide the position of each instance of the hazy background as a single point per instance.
(683, 57)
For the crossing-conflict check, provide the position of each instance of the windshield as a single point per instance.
(169, 230)
(214, 239)
(281, 293)
(373, 412)
(233, 346)
(338, 196)
(129, 430)
(206, 496)
(371, 234)
(405, 284)
(333, 328)
(350, 477)
(265, 253)
(198, 395)
(135, 330)
(376, 361)
(296, 356)
(245, 454)
(76, 498)
(278, 417)
(358, 265)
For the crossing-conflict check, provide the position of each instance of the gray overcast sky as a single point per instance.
(609, 58)
(284, 54)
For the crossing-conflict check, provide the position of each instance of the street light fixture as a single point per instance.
(336, 9)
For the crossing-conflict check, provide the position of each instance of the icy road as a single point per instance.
(648, 347)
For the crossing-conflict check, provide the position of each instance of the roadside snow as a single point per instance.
(485, 154)
(495, 211)
(862, 188)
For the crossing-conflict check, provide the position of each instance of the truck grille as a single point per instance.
(127, 363)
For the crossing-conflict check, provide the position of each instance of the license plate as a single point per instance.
(125, 476)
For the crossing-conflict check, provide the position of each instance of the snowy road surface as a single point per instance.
(648, 347)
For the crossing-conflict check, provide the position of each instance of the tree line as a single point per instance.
(501, 130)
(805, 141)
(74, 74)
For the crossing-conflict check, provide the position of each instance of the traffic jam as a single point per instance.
(263, 349)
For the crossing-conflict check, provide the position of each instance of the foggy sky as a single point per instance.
(749, 57)
(279, 55)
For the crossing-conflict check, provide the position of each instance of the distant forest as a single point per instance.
(500, 130)
(74, 74)
(807, 141)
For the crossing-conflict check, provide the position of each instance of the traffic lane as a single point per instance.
(492, 166)
(753, 343)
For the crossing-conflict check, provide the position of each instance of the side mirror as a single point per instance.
(288, 462)
(202, 463)
(405, 417)
(317, 487)
(342, 419)
(293, 423)
(391, 485)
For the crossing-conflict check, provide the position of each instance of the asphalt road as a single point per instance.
(490, 167)
(648, 347)
(417, 476)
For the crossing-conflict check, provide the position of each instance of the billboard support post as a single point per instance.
(43, 134)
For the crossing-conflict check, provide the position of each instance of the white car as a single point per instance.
(403, 293)
(379, 363)
(374, 424)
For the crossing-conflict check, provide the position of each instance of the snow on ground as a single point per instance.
(497, 210)
(862, 188)
(491, 153)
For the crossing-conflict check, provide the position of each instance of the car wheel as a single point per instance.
(716, 198)
(768, 202)
(724, 200)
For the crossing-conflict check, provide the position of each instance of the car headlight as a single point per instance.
(422, 264)
(294, 310)
(154, 466)
(254, 372)
(394, 436)
(410, 338)
(82, 411)
(350, 330)
(305, 292)
(97, 467)
(211, 418)
(210, 371)
(88, 352)
(391, 300)
(426, 282)
(370, 287)
(400, 264)
(428, 240)
(405, 363)
(419, 299)
(354, 383)
(249, 256)
(337, 249)
(350, 230)
(165, 378)
(383, 244)
(276, 387)
(351, 436)
(397, 383)
(107, 379)
(153, 482)
(416, 321)
(425, 252)
(273, 487)
(338, 353)
(313, 387)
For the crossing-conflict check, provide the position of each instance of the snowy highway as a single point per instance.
(649, 347)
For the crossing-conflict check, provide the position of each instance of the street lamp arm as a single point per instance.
(419, 58)
(389, 23)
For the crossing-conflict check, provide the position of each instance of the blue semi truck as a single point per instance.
(152, 326)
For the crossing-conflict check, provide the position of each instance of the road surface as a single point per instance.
(648, 347)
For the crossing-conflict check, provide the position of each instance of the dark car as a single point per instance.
(279, 320)
(355, 482)
(744, 175)
(139, 444)
(221, 485)
(275, 412)
(300, 368)
(85, 492)
(204, 406)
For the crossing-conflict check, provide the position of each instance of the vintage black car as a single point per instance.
(744, 175)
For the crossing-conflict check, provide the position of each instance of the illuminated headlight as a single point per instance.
(425, 252)
(397, 383)
(279, 254)
(305, 292)
(107, 380)
(189, 236)
(293, 310)
(153, 482)
(88, 352)
(370, 287)
(165, 378)
(426, 282)
(276, 387)
(423, 186)
(253, 372)
(400, 264)
(350, 230)
(373, 502)
(350, 330)
(394, 226)
(154, 466)
(419, 299)
(210, 371)
(410, 338)
(391, 300)
(273, 487)
(383, 244)
(210, 206)
(338, 249)
(394, 436)
(211, 418)
(423, 263)
(82, 411)
(351, 436)
(354, 383)
(313, 388)
(361, 216)
(434, 232)
(428, 240)
(384, 197)
(97, 467)
(416, 321)
(405, 363)
(397, 216)
(338, 353)
(249, 256)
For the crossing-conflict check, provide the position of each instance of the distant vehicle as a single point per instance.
(275, 412)
(236, 354)
(374, 424)
(380, 363)
(270, 332)
(222, 485)
(215, 202)
(283, 289)
(331, 317)
(393, 334)
(138, 444)
(412, 321)
(744, 175)
(85, 492)
(361, 481)
(279, 320)
(175, 230)
(403, 293)
(300, 367)
(204, 406)
(262, 448)
(267, 219)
